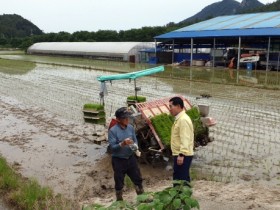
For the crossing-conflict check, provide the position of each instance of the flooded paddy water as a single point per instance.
(43, 134)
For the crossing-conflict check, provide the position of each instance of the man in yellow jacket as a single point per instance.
(182, 140)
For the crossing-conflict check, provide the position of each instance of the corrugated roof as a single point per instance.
(256, 24)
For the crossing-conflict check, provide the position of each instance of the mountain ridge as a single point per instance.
(224, 7)
(13, 25)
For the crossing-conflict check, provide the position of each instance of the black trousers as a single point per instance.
(128, 166)
(182, 172)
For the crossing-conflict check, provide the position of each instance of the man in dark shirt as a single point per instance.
(121, 136)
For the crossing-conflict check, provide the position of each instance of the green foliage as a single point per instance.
(274, 6)
(18, 32)
(96, 107)
(172, 198)
(8, 179)
(193, 113)
(178, 197)
(139, 99)
(28, 194)
(16, 26)
(105, 35)
(198, 127)
(163, 124)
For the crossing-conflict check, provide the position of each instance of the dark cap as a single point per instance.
(122, 113)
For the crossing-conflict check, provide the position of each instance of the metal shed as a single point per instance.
(122, 51)
(256, 30)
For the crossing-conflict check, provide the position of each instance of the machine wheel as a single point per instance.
(144, 136)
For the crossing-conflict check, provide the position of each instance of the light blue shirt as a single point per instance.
(116, 135)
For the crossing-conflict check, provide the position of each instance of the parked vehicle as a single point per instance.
(273, 63)
(150, 144)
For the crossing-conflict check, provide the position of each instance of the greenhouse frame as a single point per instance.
(134, 52)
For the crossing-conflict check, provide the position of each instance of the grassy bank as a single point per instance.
(10, 51)
(21, 193)
(16, 66)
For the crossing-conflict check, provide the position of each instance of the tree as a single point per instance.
(106, 36)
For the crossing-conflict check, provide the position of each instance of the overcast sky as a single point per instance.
(93, 15)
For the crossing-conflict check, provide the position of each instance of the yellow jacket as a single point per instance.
(182, 136)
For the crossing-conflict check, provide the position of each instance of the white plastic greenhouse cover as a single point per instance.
(116, 49)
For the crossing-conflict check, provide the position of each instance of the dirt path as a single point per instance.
(211, 195)
(60, 154)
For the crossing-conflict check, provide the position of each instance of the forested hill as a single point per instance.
(225, 7)
(275, 6)
(16, 26)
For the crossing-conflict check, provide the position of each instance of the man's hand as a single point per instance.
(180, 160)
(126, 141)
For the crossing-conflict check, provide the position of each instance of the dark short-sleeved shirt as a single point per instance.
(116, 135)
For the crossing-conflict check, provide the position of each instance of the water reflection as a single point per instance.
(221, 75)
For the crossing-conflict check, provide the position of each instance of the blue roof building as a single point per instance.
(257, 24)
(256, 30)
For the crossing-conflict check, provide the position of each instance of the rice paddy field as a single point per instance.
(246, 144)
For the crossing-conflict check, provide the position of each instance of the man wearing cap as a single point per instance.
(124, 161)
(182, 140)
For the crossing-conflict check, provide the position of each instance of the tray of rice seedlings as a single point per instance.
(93, 107)
(94, 113)
(131, 100)
(201, 133)
(163, 123)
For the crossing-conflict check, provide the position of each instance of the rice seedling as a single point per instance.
(139, 99)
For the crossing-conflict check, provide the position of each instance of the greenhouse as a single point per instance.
(135, 52)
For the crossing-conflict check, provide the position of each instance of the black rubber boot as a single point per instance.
(139, 190)
(119, 195)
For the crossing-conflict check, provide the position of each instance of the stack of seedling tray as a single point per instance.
(94, 113)
(132, 100)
